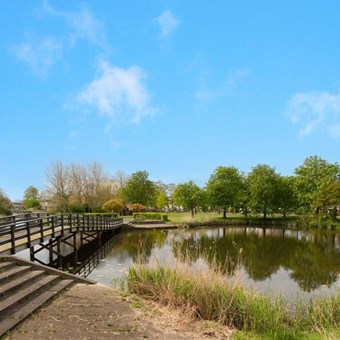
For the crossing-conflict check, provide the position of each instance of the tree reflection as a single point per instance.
(313, 260)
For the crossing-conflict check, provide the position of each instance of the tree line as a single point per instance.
(313, 189)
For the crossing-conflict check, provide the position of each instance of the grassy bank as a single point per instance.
(206, 219)
(210, 297)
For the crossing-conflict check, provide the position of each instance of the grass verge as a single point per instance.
(210, 297)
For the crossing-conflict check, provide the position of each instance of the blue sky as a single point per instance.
(176, 88)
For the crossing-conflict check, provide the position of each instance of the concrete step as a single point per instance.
(6, 265)
(20, 312)
(20, 282)
(25, 293)
(12, 272)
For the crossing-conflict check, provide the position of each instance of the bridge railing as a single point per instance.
(24, 229)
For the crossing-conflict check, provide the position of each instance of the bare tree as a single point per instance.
(96, 188)
(58, 186)
(77, 174)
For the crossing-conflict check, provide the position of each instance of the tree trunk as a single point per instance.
(224, 213)
(192, 212)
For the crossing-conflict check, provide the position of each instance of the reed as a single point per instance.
(210, 296)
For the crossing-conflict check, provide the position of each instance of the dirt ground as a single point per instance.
(98, 312)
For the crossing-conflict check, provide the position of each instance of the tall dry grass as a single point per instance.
(210, 296)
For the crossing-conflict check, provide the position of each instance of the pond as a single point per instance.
(287, 262)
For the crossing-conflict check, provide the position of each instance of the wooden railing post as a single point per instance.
(28, 231)
(13, 237)
(41, 224)
(62, 224)
(70, 221)
(53, 226)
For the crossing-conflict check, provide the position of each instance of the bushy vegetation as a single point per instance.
(150, 216)
(211, 297)
(5, 204)
(101, 214)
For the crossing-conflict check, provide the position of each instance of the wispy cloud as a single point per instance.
(118, 93)
(167, 23)
(39, 54)
(83, 24)
(315, 111)
(206, 92)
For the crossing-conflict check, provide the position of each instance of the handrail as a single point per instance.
(26, 230)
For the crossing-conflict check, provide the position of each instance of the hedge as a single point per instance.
(150, 216)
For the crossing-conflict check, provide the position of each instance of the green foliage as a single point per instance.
(224, 188)
(189, 196)
(139, 189)
(32, 204)
(328, 199)
(150, 216)
(113, 205)
(285, 196)
(161, 200)
(5, 204)
(263, 184)
(31, 198)
(98, 214)
(311, 179)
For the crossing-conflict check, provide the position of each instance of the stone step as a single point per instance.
(20, 312)
(19, 282)
(6, 265)
(25, 293)
(12, 272)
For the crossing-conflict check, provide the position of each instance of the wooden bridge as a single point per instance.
(26, 285)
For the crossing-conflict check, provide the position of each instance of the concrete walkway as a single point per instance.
(98, 312)
(94, 312)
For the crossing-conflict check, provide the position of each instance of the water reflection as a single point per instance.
(292, 262)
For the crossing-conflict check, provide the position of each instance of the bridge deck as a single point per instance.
(24, 231)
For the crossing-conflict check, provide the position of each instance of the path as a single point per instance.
(98, 312)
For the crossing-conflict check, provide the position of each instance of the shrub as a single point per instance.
(150, 216)
(100, 214)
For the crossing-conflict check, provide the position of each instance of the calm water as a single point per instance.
(277, 261)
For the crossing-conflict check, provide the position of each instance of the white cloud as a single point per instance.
(83, 23)
(39, 54)
(316, 111)
(118, 93)
(167, 23)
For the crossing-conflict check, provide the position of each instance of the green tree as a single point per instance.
(263, 184)
(311, 178)
(243, 199)
(5, 204)
(224, 188)
(139, 189)
(329, 199)
(285, 196)
(189, 196)
(161, 200)
(113, 205)
(31, 198)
